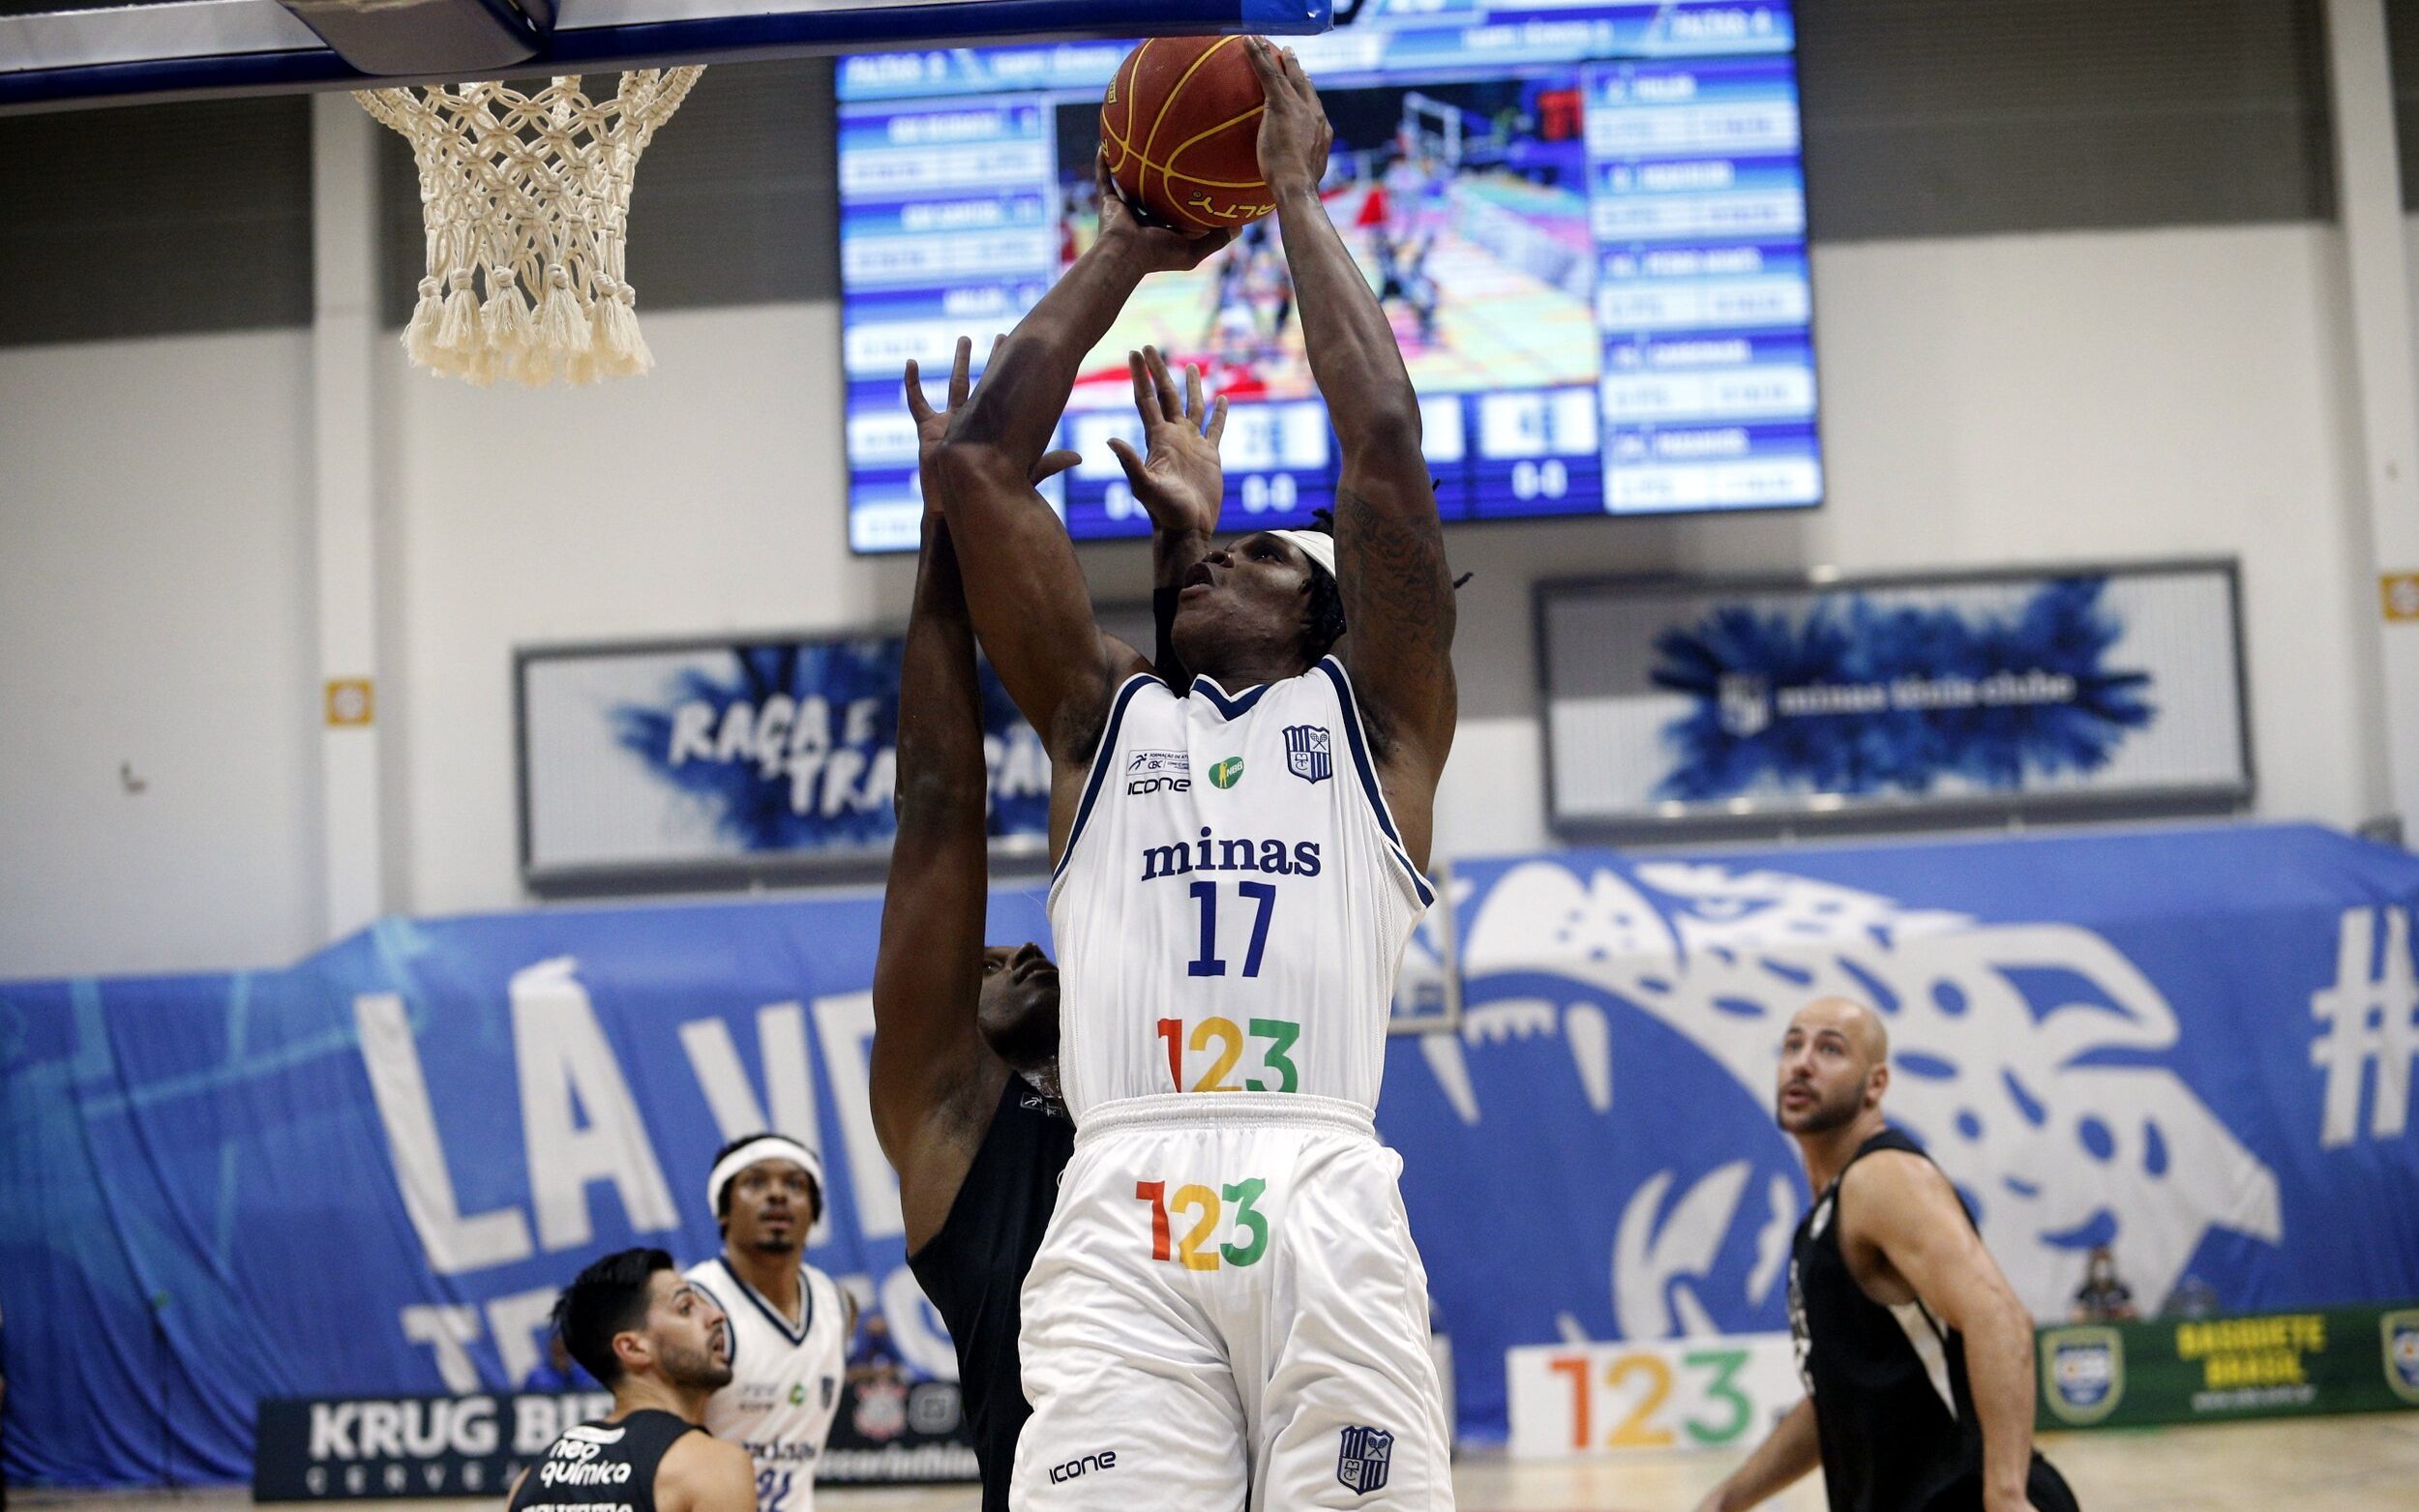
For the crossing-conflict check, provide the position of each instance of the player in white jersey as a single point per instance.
(1227, 1310)
(790, 1323)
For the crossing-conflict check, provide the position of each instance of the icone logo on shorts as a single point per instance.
(1105, 1459)
(2082, 1372)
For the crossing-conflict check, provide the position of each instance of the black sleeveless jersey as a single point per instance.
(973, 1268)
(1892, 1405)
(602, 1467)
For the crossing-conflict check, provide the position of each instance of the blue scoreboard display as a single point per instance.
(1586, 224)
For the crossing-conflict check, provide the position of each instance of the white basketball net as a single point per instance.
(530, 194)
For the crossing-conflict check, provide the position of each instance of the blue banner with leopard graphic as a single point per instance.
(2193, 1046)
(365, 1175)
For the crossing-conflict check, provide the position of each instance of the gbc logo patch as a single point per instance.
(1148, 772)
(1227, 773)
(1105, 1459)
(2082, 1372)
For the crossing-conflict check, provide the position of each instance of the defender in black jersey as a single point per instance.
(1915, 1354)
(663, 1349)
(965, 1039)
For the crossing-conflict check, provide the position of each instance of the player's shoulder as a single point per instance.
(700, 1472)
(834, 1295)
(1886, 1187)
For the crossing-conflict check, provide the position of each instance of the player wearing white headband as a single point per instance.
(789, 1323)
(1227, 1311)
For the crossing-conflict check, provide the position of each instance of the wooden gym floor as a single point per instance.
(2363, 1463)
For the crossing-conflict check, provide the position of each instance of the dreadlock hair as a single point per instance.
(1323, 614)
(610, 1297)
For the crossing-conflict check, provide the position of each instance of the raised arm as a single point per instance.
(1030, 603)
(934, 1082)
(1389, 549)
(1180, 484)
(1905, 1208)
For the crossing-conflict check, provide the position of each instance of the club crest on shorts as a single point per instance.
(1366, 1453)
(1308, 753)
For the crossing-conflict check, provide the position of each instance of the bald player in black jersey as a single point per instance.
(1915, 1354)
(966, 1038)
(662, 1347)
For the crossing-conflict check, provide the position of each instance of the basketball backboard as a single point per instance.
(66, 54)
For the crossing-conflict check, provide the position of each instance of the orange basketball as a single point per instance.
(1181, 125)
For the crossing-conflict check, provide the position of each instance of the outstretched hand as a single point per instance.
(1294, 130)
(932, 425)
(1159, 248)
(1178, 480)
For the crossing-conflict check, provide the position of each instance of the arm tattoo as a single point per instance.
(1401, 597)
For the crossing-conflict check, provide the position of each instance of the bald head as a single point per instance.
(1860, 1024)
(1835, 1063)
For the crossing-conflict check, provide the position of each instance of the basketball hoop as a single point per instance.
(532, 191)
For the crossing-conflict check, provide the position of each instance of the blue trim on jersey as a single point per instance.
(806, 1304)
(1369, 770)
(1230, 706)
(1100, 760)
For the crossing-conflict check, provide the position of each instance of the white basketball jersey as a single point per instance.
(785, 1381)
(1233, 899)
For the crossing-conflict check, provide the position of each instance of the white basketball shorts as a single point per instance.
(1227, 1312)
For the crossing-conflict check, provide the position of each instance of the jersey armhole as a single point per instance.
(1101, 761)
(1415, 884)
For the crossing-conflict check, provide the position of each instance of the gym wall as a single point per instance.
(2079, 296)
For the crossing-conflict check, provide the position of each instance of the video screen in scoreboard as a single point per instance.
(1586, 224)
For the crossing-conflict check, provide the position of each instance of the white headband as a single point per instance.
(770, 1146)
(1318, 545)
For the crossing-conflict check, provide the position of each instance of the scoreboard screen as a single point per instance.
(1585, 221)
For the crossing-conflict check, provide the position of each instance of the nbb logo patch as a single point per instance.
(2082, 1372)
(1148, 772)
(2401, 1353)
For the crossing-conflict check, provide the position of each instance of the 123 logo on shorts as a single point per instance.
(1364, 1458)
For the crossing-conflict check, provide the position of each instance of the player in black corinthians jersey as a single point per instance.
(966, 1038)
(662, 1347)
(1917, 1356)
